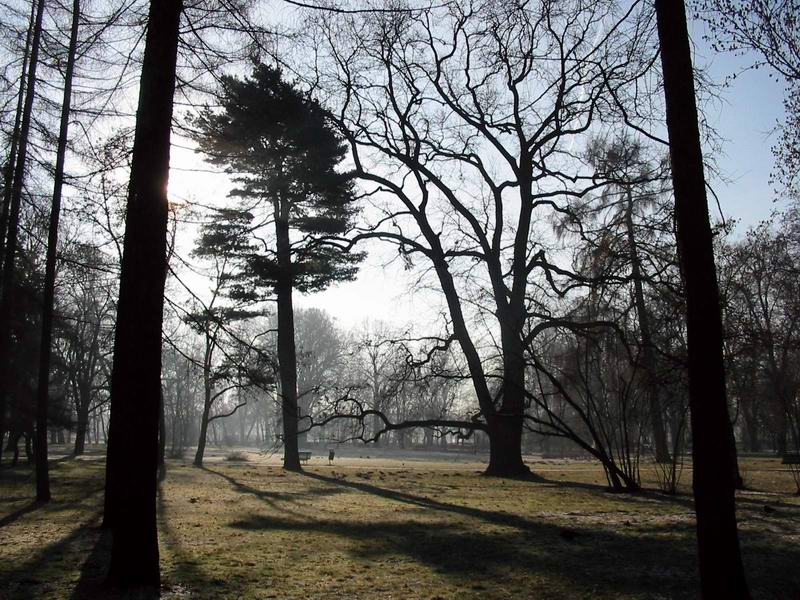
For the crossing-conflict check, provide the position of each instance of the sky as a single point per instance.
(745, 116)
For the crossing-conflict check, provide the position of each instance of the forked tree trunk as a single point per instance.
(136, 374)
(721, 571)
(287, 355)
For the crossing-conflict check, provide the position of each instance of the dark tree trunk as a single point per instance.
(11, 226)
(43, 391)
(29, 456)
(287, 357)
(648, 356)
(721, 571)
(13, 446)
(738, 481)
(781, 426)
(505, 426)
(136, 373)
(201, 441)
(752, 436)
(162, 434)
(80, 430)
(505, 446)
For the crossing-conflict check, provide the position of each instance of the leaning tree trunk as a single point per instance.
(201, 441)
(721, 571)
(43, 391)
(648, 356)
(136, 373)
(12, 224)
(287, 357)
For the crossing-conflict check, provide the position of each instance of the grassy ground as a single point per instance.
(384, 528)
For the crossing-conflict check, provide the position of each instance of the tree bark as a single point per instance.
(505, 446)
(287, 354)
(721, 571)
(136, 373)
(505, 425)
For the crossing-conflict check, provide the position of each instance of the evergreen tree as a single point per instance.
(283, 153)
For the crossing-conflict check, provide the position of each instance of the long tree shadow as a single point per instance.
(32, 578)
(273, 498)
(10, 518)
(589, 563)
(497, 518)
(648, 556)
(187, 570)
(91, 583)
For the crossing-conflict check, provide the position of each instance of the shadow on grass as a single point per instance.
(592, 562)
(271, 497)
(647, 557)
(187, 570)
(95, 567)
(10, 518)
(37, 576)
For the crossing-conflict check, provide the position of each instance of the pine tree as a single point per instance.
(283, 153)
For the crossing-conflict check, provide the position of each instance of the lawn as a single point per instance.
(392, 528)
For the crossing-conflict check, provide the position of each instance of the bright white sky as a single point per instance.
(751, 107)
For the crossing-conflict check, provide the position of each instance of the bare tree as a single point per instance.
(462, 122)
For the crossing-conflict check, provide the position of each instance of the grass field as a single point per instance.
(392, 528)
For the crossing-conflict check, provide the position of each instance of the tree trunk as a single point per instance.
(80, 431)
(648, 356)
(505, 426)
(505, 446)
(201, 441)
(29, 447)
(162, 434)
(136, 373)
(721, 571)
(43, 391)
(287, 357)
(12, 225)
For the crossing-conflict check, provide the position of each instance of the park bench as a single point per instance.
(304, 455)
(791, 459)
